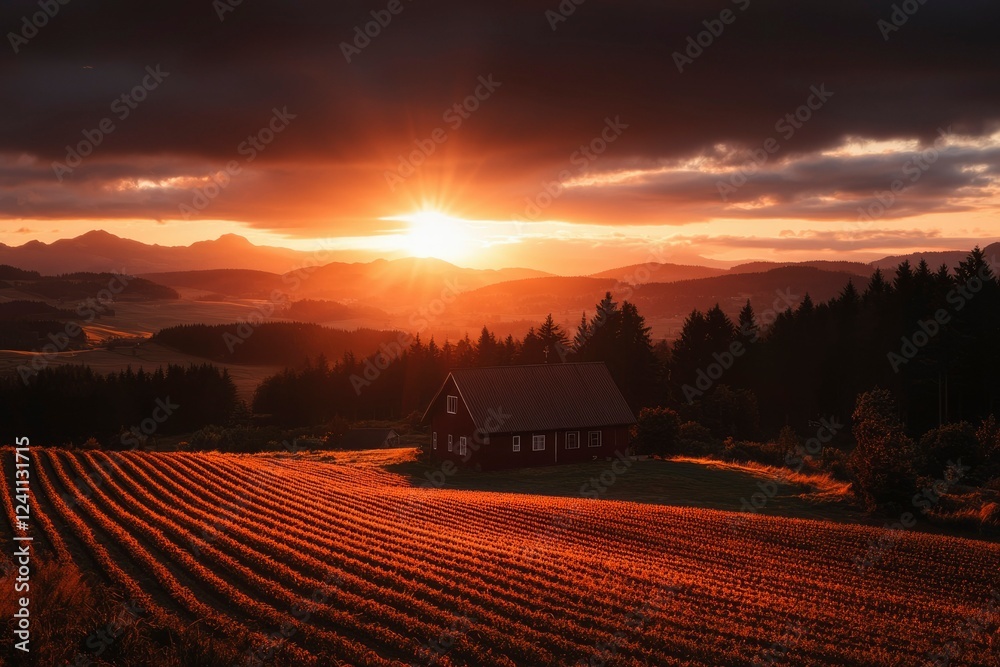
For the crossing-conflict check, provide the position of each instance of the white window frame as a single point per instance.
(576, 439)
(516, 443)
(590, 438)
(434, 440)
(535, 443)
(451, 443)
(452, 406)
(463, 444)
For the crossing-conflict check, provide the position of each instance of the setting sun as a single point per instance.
(435, 234)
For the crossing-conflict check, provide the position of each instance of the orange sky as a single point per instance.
(488, 136)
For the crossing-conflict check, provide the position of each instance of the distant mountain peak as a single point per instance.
(97, 234)
(234, 239)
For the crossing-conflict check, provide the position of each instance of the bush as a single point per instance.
(948, 444)
(744, 451)
(988, 437)
(657, 432)
(836, 462)
(788, 439)
(726, 412)
(239, 439)
(695, 440)
(882, 462)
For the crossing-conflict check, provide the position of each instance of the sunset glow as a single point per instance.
(435, 234)
(472, 334)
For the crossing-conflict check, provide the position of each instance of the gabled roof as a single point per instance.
(506, 399)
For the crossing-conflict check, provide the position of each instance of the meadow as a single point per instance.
(343, 559)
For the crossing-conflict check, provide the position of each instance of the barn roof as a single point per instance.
(506, 399)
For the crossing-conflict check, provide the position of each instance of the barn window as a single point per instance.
(434, 440)
(462, 443)
(595, 439)
(450, 442)
(572, 440)
(517, 443)
(452, 405)
(537, 443)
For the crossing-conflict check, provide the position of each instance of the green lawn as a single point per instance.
(647, 481)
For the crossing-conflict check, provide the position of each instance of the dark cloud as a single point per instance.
(558, 86)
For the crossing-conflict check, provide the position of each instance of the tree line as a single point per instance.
(69, 404)
(399, 380)
(928, 336)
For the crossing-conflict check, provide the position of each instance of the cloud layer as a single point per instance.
(356, 122)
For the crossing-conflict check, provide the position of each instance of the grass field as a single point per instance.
(246, 377)
(143, 318)
(334, 559)
(681, 483)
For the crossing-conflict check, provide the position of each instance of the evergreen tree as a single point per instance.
(487, 350)
(555, 342)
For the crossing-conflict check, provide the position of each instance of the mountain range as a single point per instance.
(412, 292)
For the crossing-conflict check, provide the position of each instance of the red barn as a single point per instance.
(513, 416)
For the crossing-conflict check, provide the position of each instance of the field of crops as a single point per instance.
(351, 564)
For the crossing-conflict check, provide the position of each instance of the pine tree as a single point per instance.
(748, 329)
(555, 342)
(487, 351)
(582, 333)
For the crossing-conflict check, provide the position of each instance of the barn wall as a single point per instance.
(456, 425)
(499, 452)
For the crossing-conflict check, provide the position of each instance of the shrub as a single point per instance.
(726, 412)
(988, 437)
(948, 444)
(882, 462)
(657, 432)
(745, 451)
(695, 440)
(836, 462)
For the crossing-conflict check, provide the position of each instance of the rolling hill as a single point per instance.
(934, 259)
(637, 274)
(100, 251)
(357, 565)
(790, 283)
(385, 284)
